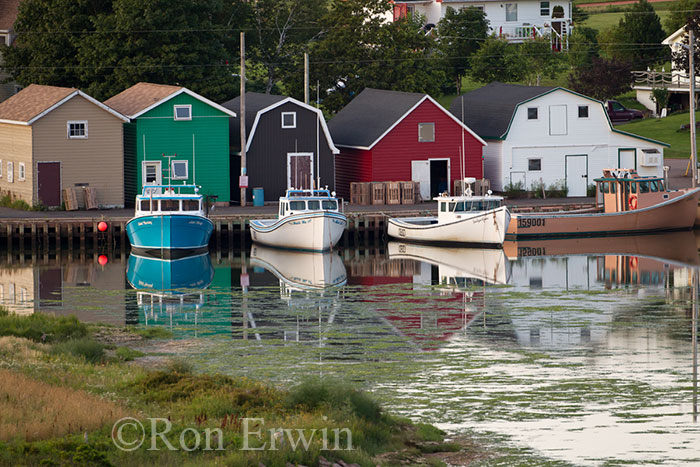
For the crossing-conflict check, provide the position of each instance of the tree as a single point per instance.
(161, 41)
(641, 34)
(604, 79)
(496, 60)
(50, 32)
(282, 31)
(461, 32)
(680, 12)
(539, 60)
(359, 49)
(578, 15)
(583, 47)
(680, 57)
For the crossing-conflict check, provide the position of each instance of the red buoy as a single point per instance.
(102, 226)
(102, 259)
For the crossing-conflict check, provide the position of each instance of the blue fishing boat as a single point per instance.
(158, 274)
(169, 217)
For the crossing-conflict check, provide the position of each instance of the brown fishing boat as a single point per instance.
(630, 205)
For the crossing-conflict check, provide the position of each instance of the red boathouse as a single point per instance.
(399, 136)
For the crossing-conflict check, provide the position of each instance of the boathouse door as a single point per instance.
(300, 170)
(48, 175)
(577, 175)
(420, 172)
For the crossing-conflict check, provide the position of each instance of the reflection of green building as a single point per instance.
(173, 121)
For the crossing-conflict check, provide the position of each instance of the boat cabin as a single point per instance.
(624, 190)
(169, 199)
(299, 201)
(454, 207)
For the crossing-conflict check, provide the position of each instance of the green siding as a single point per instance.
(129, 164)
(161, 134)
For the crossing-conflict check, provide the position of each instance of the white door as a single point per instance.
(420, 172)
(577, 175)
(627, 159)
(152, 174)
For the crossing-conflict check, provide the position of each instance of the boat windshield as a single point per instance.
(297, 205)
(314, 205)
(468, 206)
(329, 205)
(190, 205)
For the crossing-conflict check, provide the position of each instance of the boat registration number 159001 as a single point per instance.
(527, 222)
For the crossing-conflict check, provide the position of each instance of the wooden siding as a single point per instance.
(266, 160)
(16, 147)
(97, 161)
(160, 133)
(351, 165)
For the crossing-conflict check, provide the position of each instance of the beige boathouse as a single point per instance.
(52, 138)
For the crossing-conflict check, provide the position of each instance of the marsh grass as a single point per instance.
(32, 410)
(40, 327)
(92, 351)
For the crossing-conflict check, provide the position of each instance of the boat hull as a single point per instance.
(300, 270)
(318, 231)
(675, 214)
(483, 228)
(190, 272)
(169, 232)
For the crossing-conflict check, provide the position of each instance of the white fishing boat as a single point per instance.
(461, 219)
(308, 220)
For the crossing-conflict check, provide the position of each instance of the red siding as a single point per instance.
(392, 156)
(351, 165)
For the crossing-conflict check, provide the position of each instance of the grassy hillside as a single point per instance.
(666, 130)
(602, 21)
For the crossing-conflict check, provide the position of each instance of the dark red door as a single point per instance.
(300, 172)
(48, 175)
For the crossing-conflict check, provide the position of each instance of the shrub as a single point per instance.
(590, 190)
(92, 351)
(153, 333)
(537, 189)
(314, 393)
(41, 327)
(514, 190)
(557, 189)
(125, 354)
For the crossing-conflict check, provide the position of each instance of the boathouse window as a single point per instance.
(314, 205)
(178, 170)
(0, 168)
(511, 12)
(644, 187)
(532, 113)
(10, 172)
(183, 112)
(22, 174)
(582, 111)
(426, 132)
(190, 205)
(329, 205)
(534, 164)
(297, 205)
(77, 129)
(169, 205)
(145, 205)
(289, 119)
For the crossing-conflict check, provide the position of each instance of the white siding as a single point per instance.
(591, 136)
(493, 163)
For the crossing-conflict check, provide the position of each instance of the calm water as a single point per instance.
(569, 351)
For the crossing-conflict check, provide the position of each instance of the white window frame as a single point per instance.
(10, 172)
(588, 111)
(527, 113)
(77, 122)
(184, 106)
(294, 118)
(548, 11)
(534, 159)
(172, 169)
(22, 172)
(420, 125)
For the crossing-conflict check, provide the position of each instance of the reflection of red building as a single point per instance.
(632, 270)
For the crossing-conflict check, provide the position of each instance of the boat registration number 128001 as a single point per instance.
(527, 222)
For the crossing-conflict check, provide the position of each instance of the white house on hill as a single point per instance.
(552, 135)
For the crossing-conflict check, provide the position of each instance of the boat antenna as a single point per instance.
(462, 161)
(318, 150)
(194, 164)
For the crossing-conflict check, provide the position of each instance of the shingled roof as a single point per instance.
(141, 96)
(488, 110)
(8, 14)
(32, 101)
(254, 102)
(370, 115)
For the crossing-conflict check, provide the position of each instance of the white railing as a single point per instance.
(662, 79)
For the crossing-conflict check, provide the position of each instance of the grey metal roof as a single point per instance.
(488, 110)
(254, 102)
(369, 115)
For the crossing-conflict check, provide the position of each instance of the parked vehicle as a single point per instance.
(619, 113)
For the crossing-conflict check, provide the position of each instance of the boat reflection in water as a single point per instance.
(166, 286)
(462, 274)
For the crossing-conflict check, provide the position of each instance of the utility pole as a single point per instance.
(243, 181)
(306, 77)
(693, 144)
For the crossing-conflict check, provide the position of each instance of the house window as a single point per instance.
(532, 113)
(511, 12)
(151, 174)
(178, 170)
(544, 8)
(77, 129)
(22, 173)
(534, 164)
(10, 171)
(426, 132)
(289, 119)
(3, 39)
(183, 112)
(582, 111)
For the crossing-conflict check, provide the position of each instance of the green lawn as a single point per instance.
(666, 130)
(602, 21)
